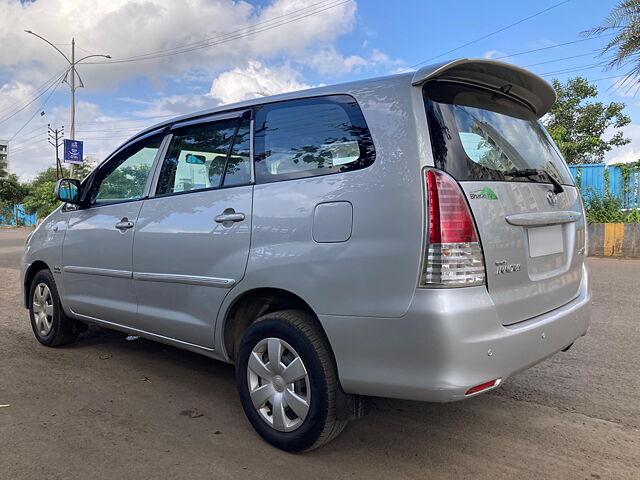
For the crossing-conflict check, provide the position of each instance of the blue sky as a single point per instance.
(343, 41)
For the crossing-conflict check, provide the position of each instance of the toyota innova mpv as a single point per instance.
(416, 236)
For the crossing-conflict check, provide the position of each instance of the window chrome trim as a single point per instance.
(535, 219)
(104, 272)
(153, 277)
(186, 279)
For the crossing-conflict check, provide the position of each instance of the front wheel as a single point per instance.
(288, 382)
(49, 323)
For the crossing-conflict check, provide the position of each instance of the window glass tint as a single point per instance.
(308, 137)
(239, 166)
(125, 176)
(196, 157)
(480, 135)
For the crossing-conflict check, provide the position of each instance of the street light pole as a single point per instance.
(72, 83)
(73, 90)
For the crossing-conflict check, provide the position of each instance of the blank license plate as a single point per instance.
(545, 240)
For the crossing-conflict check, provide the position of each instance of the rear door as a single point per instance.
(192, 235)
(531, 236)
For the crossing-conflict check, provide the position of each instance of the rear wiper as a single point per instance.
(532, 172)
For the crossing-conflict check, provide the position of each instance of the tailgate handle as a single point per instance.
(543, 218)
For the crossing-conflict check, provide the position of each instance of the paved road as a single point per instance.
(152, 411)
(12, 246)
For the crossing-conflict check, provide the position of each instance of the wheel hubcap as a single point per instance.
(278, 384)
(43, 308)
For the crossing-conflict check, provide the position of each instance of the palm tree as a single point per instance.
(624, 23)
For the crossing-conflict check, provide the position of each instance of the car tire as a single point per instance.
(307, 405)
(49, 323)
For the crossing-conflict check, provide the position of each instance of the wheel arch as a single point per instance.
(251, 305)
(29, 275)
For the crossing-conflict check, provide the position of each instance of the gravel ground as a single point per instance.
(108, 408)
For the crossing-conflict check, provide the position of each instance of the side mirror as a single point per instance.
(68, 190)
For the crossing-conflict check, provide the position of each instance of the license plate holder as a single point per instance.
(546, 240)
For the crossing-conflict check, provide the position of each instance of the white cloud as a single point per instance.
(402, 70)
(30, 153)
(329, 61)
(628, 153)
(254, 80)
(239, 69)
(124, 28)
(493, 54)
(177, 105)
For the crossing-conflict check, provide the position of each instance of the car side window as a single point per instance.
(199, 155)
(310, 137)
(125, 175)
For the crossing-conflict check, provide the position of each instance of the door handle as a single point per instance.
(124, 224)
(229, 216)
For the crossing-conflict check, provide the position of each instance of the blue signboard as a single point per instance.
(72, 151)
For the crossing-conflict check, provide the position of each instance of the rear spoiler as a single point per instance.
(509, 79)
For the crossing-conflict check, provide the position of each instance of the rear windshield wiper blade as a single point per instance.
(532, 172)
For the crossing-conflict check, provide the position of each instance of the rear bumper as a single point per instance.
(449, 341)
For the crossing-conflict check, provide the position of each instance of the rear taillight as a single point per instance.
(453, 254)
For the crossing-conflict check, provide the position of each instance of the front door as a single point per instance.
(97, 268)
(192, 235)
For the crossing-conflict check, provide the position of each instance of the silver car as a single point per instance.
(416, 236)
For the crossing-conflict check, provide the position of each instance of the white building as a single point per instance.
(4, 154)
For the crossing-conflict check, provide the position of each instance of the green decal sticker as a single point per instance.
(486, 193)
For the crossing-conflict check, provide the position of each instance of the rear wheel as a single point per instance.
(49, 323)
(287, 381)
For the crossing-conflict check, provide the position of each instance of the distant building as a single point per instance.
(4, 154)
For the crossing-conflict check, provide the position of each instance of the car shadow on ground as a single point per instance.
(408, 426)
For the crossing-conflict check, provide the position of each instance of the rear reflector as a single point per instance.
(482, 386)
(454, 257)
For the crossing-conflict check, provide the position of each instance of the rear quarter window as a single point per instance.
(310, 137)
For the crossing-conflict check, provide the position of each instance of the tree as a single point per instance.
(624, 23)
(125, 182)
(12, 193)
(577, 123)
(41, 199)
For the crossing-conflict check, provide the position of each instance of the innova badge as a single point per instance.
(503, 267)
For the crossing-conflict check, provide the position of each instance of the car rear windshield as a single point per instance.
(478, 134)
